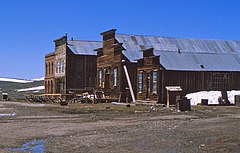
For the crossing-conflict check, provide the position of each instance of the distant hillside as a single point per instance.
(16, 80)
(11, 87)
(4, 84)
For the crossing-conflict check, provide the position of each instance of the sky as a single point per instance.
(28, 27)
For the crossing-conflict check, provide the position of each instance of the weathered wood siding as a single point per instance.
(194, 81)
(81, 71)
(147, 65)
(109, 58)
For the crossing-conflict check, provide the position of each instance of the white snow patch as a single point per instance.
(38, 79)
(31, 89)
(13, 114)
(212, 96)
(15, 80)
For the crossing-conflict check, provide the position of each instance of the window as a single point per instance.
(115, 77)
(62, 66)
(49, 68)
(56, 66)
(46, 85)
(46, 70)
(155, 82)
(100, 78)
(220, 81)
(59, 67)
(52, 67)
(140, 80)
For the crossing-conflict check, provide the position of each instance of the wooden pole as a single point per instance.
(129, 83)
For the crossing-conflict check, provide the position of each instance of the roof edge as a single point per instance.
(177, 37)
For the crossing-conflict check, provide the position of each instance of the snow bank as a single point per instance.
(31, 89)
(15, 80)
(212, 96)
(38, 79)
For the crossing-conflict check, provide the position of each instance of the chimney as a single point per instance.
(108, 34)
(108, 38)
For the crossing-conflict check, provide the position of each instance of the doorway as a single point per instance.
(107, 78)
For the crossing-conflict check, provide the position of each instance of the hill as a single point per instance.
(13, 86)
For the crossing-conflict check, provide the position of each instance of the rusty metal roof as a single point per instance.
(184, 53)
(82, 47)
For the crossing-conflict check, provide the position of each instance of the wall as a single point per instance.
(109, 58)
(49, 81)
(147, 65)
(81, 71)
(194, 81)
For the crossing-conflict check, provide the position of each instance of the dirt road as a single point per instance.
(108, 128)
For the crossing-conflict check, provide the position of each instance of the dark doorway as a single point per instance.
(107, 78)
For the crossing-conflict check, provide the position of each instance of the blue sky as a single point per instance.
(28, 27)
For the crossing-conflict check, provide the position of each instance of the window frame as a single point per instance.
(154, 81)
(140, 82)
(115, 74)
(100, 75)
(46, 69)
(56, 70)
(62, 66)
(220, 80)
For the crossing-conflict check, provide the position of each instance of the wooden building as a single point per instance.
(155, 62)
(71, 67)
(152, 62)
(111, 77)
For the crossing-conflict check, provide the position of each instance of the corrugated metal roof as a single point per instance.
(199, 61)
(133, 43)
(84, 47)
(133, 55)
(195, 54)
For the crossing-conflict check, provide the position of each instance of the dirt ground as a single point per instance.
(104, 128)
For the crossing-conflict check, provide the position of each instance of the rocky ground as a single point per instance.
(113, 128)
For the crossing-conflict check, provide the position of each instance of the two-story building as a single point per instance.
(152, 62)
(71, 67)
